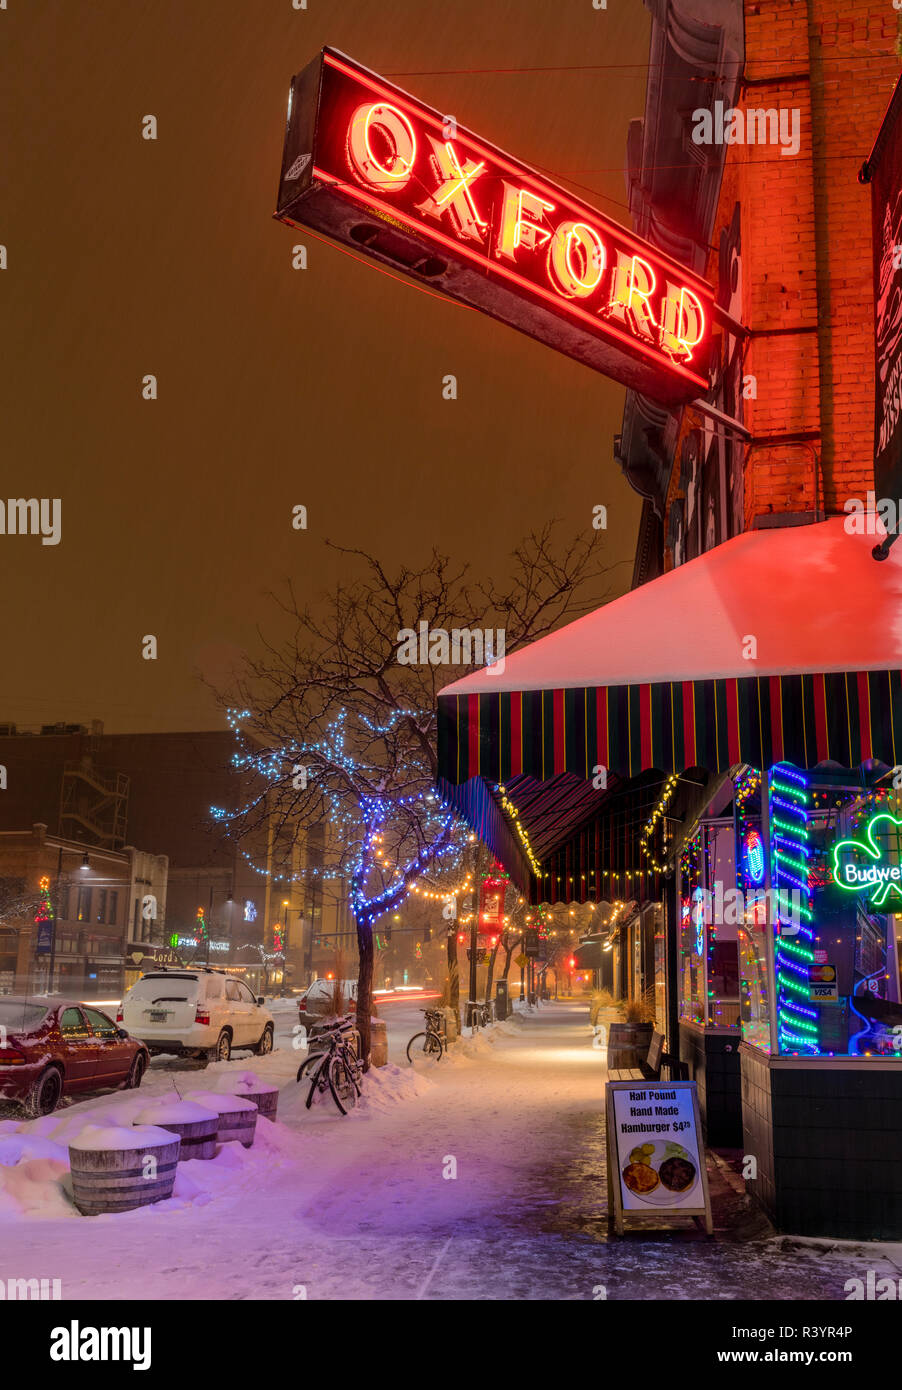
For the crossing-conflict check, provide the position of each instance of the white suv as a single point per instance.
(195, 1012)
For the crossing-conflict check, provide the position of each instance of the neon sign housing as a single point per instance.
(379, 171)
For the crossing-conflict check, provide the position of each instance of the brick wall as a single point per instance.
(807, 248)
(806, 253)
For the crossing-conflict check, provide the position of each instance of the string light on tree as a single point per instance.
(387, 838)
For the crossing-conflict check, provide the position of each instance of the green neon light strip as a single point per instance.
(782, 790)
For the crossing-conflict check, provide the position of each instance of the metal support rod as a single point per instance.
(56, 917)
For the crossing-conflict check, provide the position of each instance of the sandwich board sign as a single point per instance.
(656, 1160)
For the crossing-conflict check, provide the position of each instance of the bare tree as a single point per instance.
(335, 729)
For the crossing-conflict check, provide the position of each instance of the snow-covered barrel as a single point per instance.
(117, 1169)
(264, 1096)
(196, 1125)
(237, 1116)
(249, 1086)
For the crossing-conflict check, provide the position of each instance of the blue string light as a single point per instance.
(358, 816)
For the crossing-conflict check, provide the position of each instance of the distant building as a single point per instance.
(156, 790)
(68, 912)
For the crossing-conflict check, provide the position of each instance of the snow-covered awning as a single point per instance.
(779, 645)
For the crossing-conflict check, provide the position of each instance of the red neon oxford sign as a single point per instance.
(378, 170)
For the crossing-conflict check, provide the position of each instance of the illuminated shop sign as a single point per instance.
(753, 856)
(862, 865)
(381, 172)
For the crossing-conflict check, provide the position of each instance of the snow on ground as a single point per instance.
(480, 1176)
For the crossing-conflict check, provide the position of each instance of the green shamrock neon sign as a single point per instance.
(885, 878)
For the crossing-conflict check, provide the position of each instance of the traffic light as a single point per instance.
(427, 934)
(572, 962)
(387, 933)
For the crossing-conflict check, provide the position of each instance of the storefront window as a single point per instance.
(710, 927)
(660, 968)
(692, 933)
(754, 927)
(724, 918)
(819, 949)
(855, 878)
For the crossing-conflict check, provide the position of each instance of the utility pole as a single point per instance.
(56, 916)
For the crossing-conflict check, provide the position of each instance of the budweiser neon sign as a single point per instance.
(376, 169)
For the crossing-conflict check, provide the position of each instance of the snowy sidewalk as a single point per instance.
(362, 1207)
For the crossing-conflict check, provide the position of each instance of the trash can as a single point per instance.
(502, 1003)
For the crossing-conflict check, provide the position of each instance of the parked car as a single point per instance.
(317, 1001)
(60, 1048)
(199, 1013)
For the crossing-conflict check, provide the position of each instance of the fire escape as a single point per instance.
(93, 804)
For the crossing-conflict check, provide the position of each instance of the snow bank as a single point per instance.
(385, 1088)
(34, 1154)
(33, 1177)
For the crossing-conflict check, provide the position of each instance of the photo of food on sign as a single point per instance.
(657, 1147)
(660, 1171)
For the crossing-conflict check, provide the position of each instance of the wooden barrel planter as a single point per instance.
(265, 1097)
(628, 1044)
(196, 1125)
(118, 1169)
(237, 1116)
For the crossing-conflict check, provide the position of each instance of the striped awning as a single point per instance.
(846, 717)
(779, 646)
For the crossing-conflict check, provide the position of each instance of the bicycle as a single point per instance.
(335, 1065)
(434, 1041)
(481, 1016)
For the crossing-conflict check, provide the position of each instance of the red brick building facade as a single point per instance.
(785, 237)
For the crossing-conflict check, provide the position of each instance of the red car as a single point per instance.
(61, 1048)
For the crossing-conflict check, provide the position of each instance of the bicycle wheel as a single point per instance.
(433, 1046)
(342, 1085)
(317, 1076)
(308, 1062)
(355, 1071)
